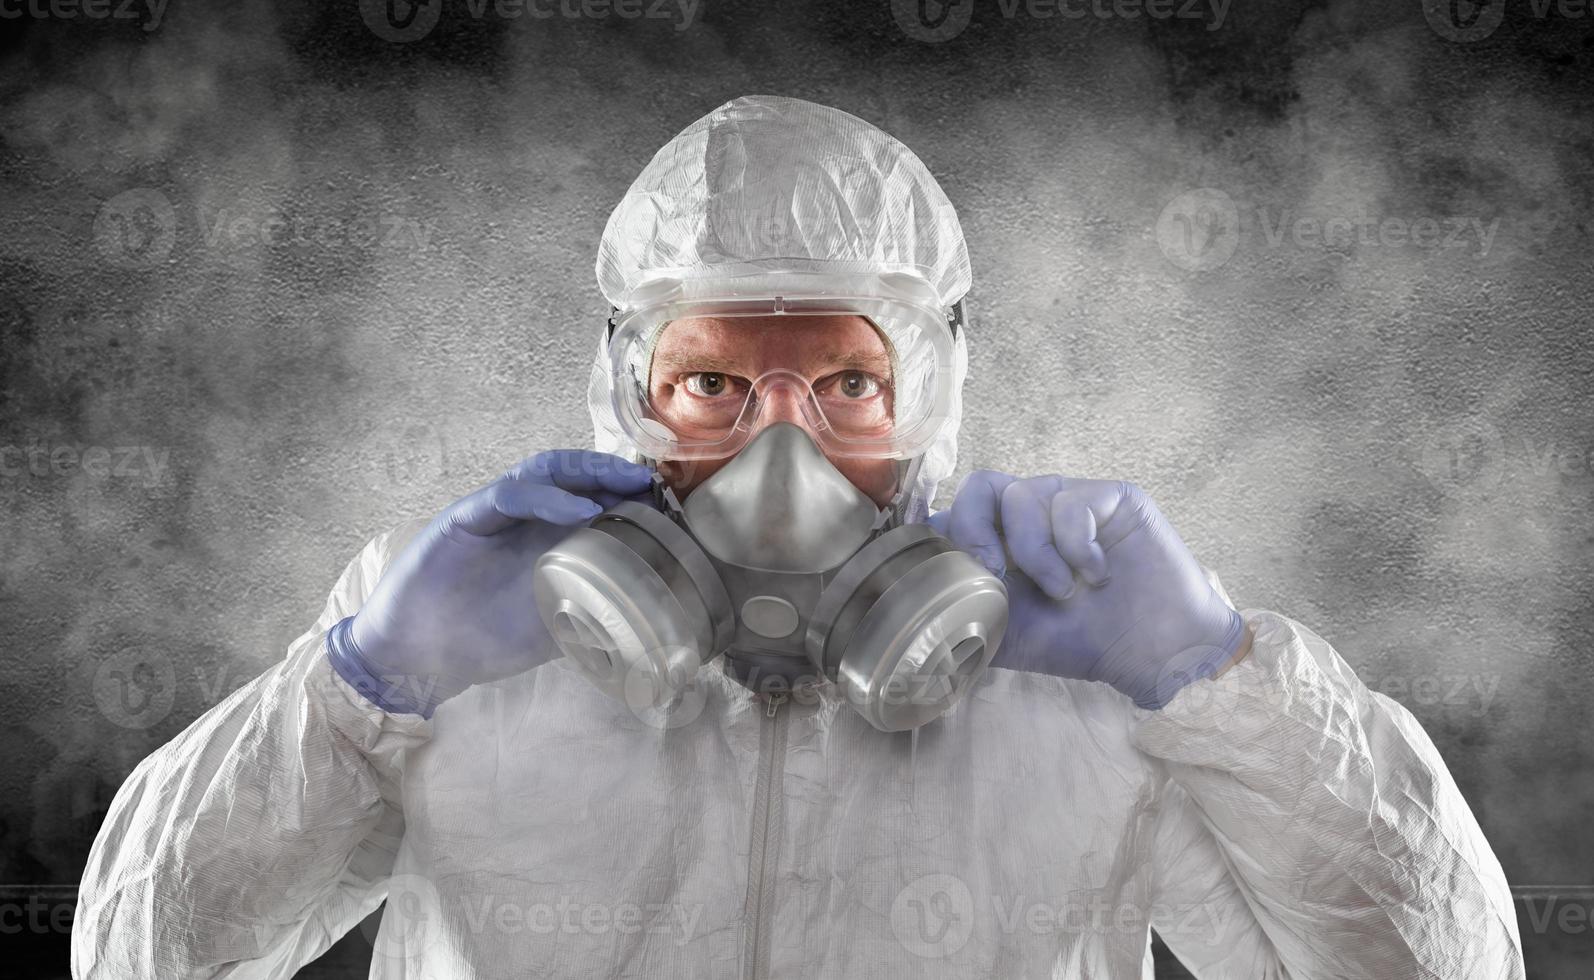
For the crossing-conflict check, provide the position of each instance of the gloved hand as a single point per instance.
(455, 608)
(1100, 587)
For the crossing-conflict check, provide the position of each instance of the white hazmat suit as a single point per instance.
(1278, 821)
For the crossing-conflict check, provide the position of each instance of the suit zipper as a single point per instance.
(768, 816)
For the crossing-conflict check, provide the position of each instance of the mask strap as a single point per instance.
(906, 506)
(664, 498)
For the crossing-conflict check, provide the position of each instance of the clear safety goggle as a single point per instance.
(849, 412)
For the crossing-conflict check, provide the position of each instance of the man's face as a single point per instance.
(704, 368)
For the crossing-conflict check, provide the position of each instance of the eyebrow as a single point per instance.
(855, 359)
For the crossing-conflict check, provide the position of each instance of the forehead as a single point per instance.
(751, 345)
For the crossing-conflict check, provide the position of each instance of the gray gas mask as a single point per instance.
(780, 564)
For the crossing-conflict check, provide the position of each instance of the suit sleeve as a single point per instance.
(262, 833)
(1309, 828)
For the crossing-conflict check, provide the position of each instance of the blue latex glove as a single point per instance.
(455, 608)
(1100, 587)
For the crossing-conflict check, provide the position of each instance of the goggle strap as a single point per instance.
(954, 319)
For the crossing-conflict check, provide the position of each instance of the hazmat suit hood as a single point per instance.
(784, 190)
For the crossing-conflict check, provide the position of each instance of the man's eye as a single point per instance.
(709, 384)
(856, 384)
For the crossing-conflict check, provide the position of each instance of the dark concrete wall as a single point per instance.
(271, 281)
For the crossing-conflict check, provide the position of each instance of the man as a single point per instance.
(786, 345)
